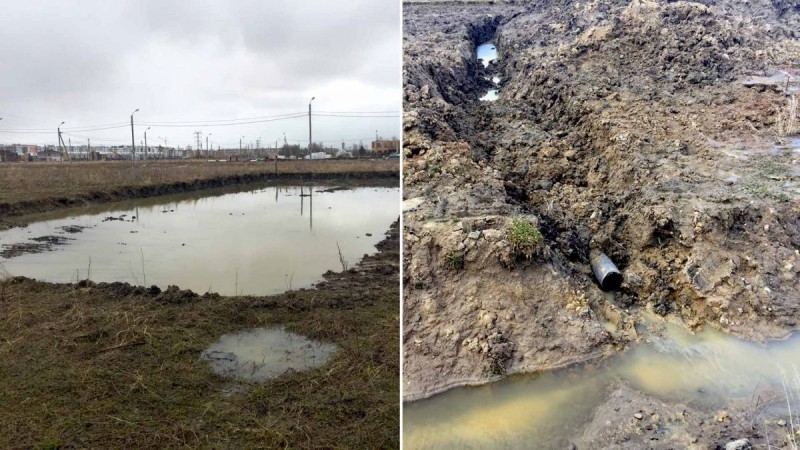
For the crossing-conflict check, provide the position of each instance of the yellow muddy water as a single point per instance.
(550, 410)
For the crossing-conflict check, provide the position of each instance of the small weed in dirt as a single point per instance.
(524, 238)
(772, 167)
(434, 170)
(756, 188)
(455, 261)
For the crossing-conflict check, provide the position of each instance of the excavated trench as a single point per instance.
(573, 239)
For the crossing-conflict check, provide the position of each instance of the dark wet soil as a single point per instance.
(40, 244)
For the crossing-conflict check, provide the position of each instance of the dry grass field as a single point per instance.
(26, 182)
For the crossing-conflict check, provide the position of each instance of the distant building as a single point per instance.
(318, 155)
(385, 147)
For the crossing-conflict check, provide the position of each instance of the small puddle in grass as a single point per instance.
(264, 353)
(551, 409)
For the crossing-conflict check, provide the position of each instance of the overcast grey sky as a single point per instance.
(92, 62)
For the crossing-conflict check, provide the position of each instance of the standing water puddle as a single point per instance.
(550, 410)
(265, 353)
(487, 53)
(261, 241)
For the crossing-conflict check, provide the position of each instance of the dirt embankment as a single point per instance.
(111, 365)
(27, 188)
(634, 128)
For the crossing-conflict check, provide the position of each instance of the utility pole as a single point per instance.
(145, 142)
(208, 149)
(309, 126)
(60, 142)
(240, 144)
(133, 141)
(88, 148)
(166, 154)
(197, 136)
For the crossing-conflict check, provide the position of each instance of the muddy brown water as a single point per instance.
(550, 410)
(252, 241)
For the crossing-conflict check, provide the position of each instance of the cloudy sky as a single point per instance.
(198, 63)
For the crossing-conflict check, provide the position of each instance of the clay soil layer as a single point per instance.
(648, 130)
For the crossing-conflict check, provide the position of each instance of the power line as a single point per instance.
(96, 138)
(212, 123)
(355, 116)
(166, 125)
(358, 112)
(200, 122)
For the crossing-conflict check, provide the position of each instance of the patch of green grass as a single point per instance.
(756, 188)
(782, 197)
(49, 445)
(524, 237)
(455, 261)
(434, 170)
(772, 167)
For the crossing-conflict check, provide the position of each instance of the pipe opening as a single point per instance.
(606, 273)
(611, 282)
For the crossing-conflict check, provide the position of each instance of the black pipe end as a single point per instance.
(612, 281)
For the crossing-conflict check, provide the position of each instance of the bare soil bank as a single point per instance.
(621, 126)
(27, 188)
(112, 365)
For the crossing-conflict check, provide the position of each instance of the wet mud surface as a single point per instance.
(667, 154)
(40, 244)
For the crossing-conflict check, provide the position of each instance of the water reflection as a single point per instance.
(235, 242)
(265, 353)
(486, 53)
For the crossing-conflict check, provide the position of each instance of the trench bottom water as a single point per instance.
(486, 53)
(552, 409)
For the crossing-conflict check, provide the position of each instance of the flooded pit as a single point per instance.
(259, 241)
(264, 353)
(550, 410)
